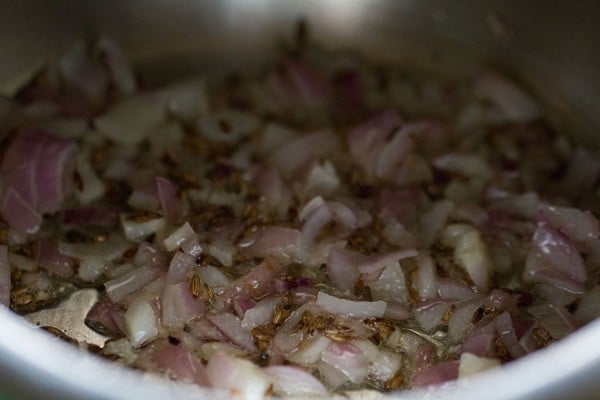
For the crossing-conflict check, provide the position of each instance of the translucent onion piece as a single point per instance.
(358, 309)
(141, 322)
(240, 377)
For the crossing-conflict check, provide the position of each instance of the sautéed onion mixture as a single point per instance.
(324, 226)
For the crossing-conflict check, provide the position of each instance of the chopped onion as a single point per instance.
(436, 374)
(179, 305)
(137, 231)
(118, 65)
(141, 322)
(512, 101)
(347, 359)
(180, 363)
(471, 364)
(119, 288)
(358, 309)
(231, 327)
(178, 237)
(167, 196)
(294, 381)
(261, 313)
(129, 121)
(48, 256)
(280, 242)
(240, 377)
(471, 253)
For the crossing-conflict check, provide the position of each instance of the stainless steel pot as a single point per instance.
(553, 47)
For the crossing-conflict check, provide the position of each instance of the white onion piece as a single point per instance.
(341, 268)
(294, 381)
(471, 364)
(579, 226)
(292, 156)
(426, 280)
(347, 359)
(213, 276)
(80, 71)
(553, 318)
(471, 252)
(358, 309)
(429, 314)
(49, 257)
(397, 234)
(344, 214)
(167, 195)
(460, 320)
(192, 246)
(138, 231)
(241, 377)
(469, 165)
(120, 270)
(231, 326)
(554, 259)
(179, 267)
(118, 65)
(506, 333)
(274, 136)
(520, 205)
(129, 121)
(285, 342)
(321, 180)
(310, 207)
(375, 264)
(180, 363)
(436, 374)
(393, 154)
(91, 268)
(366, 140)
(397, 311)
(257, 283)
(222, 250)
(433, 221)
(332, 376)
(309, 351)
(21, 262)
(119, 288)
(178, 237)
(589, 307)
(383, 364)
(454, 289)
(92, 187)
(261, 313)
(179, 305)
(228, 125)
(275, 195)
(141, 322)
(515, 104)
(187, 100)
(5, 283)
(143, 199)
(210, 348)
(391, 285)
(314, 222)
(121, 348)
(205, 330)
(277, 241)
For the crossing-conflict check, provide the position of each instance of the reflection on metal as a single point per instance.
(69, 318)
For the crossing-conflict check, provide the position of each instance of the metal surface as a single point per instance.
(69, 318)
(551, 46)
